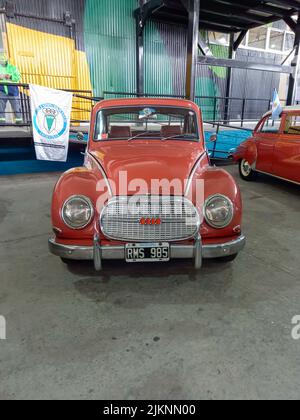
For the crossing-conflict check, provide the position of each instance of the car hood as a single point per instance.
(149, 160)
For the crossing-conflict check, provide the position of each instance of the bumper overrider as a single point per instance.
(98, 252)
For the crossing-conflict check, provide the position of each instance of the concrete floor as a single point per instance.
(151, 331)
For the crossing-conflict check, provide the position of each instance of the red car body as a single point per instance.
(146, 159)
(274, 148)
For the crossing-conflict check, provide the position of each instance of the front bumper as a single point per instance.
(196, 251)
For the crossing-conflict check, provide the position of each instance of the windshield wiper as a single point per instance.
(178, 136)
(139, 135)
(162, 139)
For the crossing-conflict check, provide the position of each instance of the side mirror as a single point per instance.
(80, 136)
(213, 138)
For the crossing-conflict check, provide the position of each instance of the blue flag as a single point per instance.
(276, 106)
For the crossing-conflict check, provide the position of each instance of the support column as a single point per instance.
(192, 48)
(232, 55)
(140, 52)
(8, 10)
(295, 64)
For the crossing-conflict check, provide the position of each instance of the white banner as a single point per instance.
(51, 115)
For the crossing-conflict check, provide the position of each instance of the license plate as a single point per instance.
(147, 252)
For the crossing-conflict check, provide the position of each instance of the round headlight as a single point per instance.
(218, 211)
(77, 212)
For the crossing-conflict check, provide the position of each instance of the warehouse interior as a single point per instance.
(160, 330)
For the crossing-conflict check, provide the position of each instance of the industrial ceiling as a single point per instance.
(225, 15)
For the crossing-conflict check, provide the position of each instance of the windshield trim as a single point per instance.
(198, 140)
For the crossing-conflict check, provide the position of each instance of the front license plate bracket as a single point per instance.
(149, 252)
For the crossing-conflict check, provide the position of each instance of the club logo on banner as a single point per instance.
(51, 115)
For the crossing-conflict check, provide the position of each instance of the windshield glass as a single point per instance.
(153, 122)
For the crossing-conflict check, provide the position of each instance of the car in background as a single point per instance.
(147, 191)
(274, 148)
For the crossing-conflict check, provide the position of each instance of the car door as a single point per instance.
(266, 138)
(287, 149)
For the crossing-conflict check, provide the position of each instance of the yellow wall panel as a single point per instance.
(83, 83)
(50, 60)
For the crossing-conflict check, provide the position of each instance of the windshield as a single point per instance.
(153, 122)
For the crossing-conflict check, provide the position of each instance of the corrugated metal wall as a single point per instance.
(42, 59)
(254, 84)
(49, 52)
(53, 9)
(46, 51)
(105, 30)
(164, 63)
(109, 30)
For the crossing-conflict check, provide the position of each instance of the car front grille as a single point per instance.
(149, 219)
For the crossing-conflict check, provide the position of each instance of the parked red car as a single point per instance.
(274, 148)
(147, 191)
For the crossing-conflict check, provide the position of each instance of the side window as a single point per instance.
(270, 125)
(292, 125)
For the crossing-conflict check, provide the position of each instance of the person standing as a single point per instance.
(9, 74)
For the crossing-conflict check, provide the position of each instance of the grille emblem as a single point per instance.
(150, 222)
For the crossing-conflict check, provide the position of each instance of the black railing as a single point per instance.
(83, 102)
(231, 109)
(228, 137)
(219, 109)
(215, 109)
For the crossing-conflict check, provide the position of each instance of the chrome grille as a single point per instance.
(122, 217)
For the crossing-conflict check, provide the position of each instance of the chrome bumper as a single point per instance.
(197, 251)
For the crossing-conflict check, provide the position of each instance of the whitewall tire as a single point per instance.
(246, 171)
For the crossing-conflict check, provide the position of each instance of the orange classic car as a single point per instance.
(147, 191)
(274, 148)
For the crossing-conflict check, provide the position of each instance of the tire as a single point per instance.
(246, 172)
(229, 259)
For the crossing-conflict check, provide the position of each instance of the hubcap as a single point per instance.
(246, 168)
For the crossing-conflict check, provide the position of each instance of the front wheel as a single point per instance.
(246, 171)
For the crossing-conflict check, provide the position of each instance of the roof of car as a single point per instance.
(292, 108)
(147, 101)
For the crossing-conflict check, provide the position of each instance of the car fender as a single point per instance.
(78, 181)
(211, 181)
(247, 150)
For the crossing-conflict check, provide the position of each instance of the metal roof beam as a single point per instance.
(222, 15)
(223, 62)
(229, 26)
(263, 7)
(204, 48)
(145, 11)
(291, 4)
(291, 23)
(232, 18)
(239, 40)
(240, 15)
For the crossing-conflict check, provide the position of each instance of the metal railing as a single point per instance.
(228, 138)
(231, 109)
(219, 112)
(215, 108)
(15, 110)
